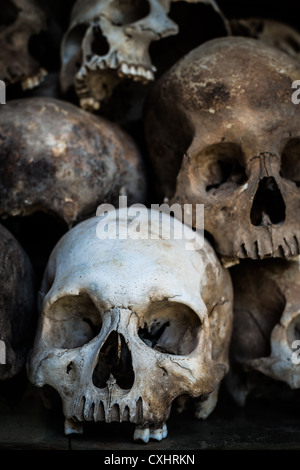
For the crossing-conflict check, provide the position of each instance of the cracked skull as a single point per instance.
(109, 40)
(20, 22)
(127, 325)
(223, 131)
(266, 326)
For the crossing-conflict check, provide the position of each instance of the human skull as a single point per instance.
(20, 20)
(127, 325)
(108, 40)
(271, 32)
(266, 326)
(58, 159)
(223, 131)
(17, 306)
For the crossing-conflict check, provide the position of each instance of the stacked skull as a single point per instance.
(237, 153)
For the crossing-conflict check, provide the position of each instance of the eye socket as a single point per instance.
(72, 322)
(290, 161)
(128, 11)
(8, 14)
(170, 327)
(219, 165)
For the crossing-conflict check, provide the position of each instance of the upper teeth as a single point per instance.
(157, 433)
(34, 81)
(136, 72)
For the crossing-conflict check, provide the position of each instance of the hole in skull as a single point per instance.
(290, 161)
(221, 164)
(114, 360)
(170, 327)
(72, 322)
(268, 205)
(124, 12)
(293, 331)
(8, 14)
(99, 45)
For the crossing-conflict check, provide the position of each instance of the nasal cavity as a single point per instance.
(114, 359)
(268, 205)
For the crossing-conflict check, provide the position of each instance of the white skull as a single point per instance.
(266, 325)
(129, 325)
(109, 40)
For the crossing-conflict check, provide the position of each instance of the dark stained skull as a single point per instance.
(222, 131)
(20, 21)
(17, 306)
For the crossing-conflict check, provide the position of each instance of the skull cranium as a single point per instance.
(129, 325)
(224, 131)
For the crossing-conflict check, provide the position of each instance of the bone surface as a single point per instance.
(127, 325)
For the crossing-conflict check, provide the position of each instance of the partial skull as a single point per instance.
(223, 131)
(108, 40)
(59, 159)
(271, 32)
(17, 306)
(129, 324)
(20, 21)
(266, 333)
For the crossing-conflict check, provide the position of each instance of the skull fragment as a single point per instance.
(223, 131)
(271, 32)
(266, 327)
(17, 306)
(20, 21)
(128, 325)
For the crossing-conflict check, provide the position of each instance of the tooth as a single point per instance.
(73, 428)
(132, 70)
(89, 104)
(27, 84)
(124, 69)
(113, 62)
(149, 75)
(141, 434)
(159, 433)
(102, 64)
(140, 71)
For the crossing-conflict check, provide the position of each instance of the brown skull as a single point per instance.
(20, 20)
(274, 33)
(222, 122)
(58, 159)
